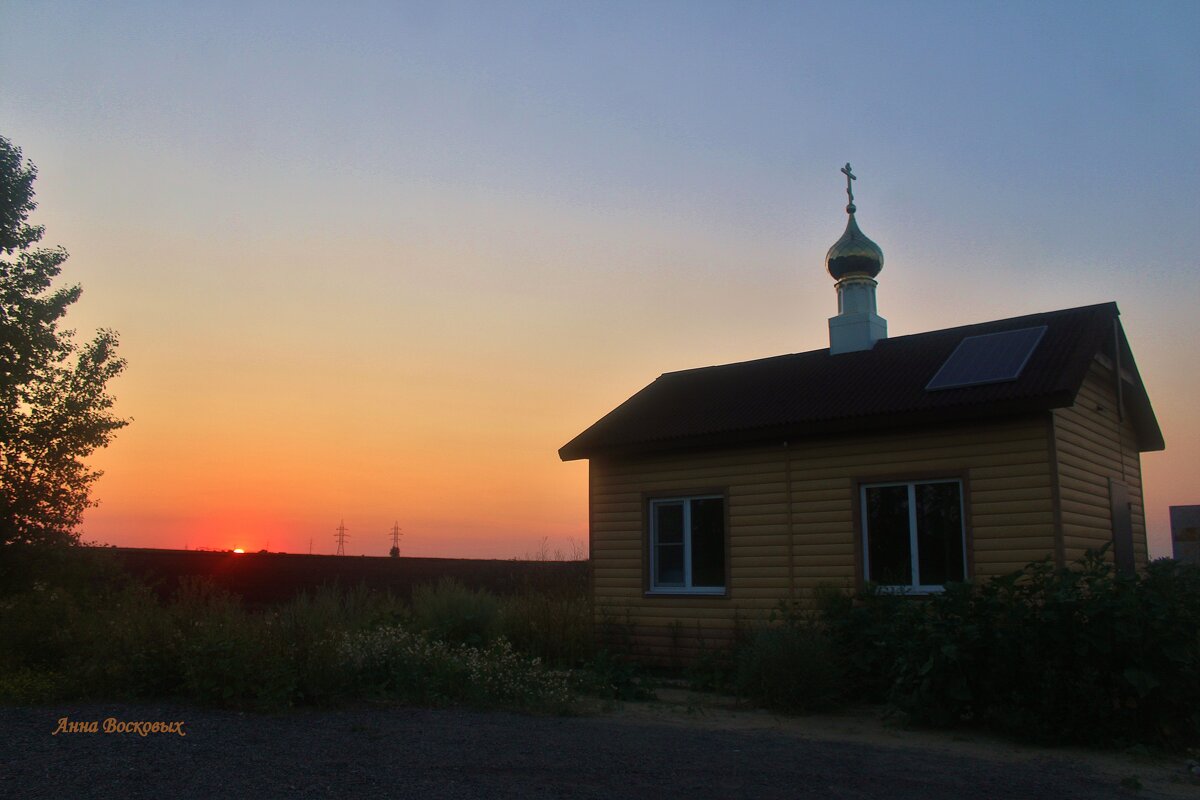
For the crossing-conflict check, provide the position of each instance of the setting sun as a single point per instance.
(238, 550)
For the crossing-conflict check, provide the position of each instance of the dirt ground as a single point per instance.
(1155, 772)
(684, 744)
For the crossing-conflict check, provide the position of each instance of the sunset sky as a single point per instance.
(379, 261)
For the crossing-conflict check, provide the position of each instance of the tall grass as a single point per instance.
(395, 664)
(554, 626)
(791, 668)
(64, 636)
(449, 611)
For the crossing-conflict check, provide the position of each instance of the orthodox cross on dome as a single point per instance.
(850, 176)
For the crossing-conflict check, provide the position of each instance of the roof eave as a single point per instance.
(1145, 424)
(574, 450)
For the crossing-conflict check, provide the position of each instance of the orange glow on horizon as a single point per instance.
(391, 300)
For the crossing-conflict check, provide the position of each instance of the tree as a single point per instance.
(54, 407)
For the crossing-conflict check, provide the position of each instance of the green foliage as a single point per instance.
(312, 625)
(78, 570)
(54, 407)
(714, 669)
(555, 626)
(451, 612)
(790, 667)
(866, 632)
(128, 644)
(36, 627)
(32, 687)
(393, 664)
(84, 634)
(63, 637)
(1053, 655)
(610, 677)
(229, 657)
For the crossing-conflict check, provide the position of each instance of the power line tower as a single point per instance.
(341, 537)
(395, 551)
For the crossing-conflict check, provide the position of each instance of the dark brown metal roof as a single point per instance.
(814, 393)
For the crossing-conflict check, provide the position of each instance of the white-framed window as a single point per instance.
(687, 545)
(914, 538)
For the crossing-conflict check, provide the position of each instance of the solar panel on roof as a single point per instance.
(987, 358)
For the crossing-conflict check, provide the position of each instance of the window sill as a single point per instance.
(909, 591)
(716, 591)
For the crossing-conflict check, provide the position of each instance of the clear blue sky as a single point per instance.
(595, 191)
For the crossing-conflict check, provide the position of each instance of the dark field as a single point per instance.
(262, 578)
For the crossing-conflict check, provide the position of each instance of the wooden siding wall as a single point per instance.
(1093, 445)
(792, 522)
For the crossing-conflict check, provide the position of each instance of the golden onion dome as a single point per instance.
(854, 253)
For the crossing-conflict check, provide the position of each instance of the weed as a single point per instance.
(553, 626)
(451, 612)
(613, 679)
(107, 637)
(395, 665)
(789, 668)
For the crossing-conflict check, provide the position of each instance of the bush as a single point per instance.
(867, 632)
(1053, 655)
(313, 625)
(613, 679)
(36, 628)
(32, 687)
(78, 571)
(126, 644)
(451, 612)
(395, 665)
(106, 636)
(228, 656)
(789, 668)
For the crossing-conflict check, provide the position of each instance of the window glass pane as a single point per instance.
(889, 554)
(668, 544)
(668, 565)
(668, 523)
(708, 542)
(939, 533)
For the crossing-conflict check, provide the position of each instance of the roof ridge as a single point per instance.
(743, 363)
(1094, 307)
(1037, 314)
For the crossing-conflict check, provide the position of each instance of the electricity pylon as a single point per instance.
(341, 537)
(395, 551)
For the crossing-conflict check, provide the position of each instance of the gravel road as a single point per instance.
(461, 754)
